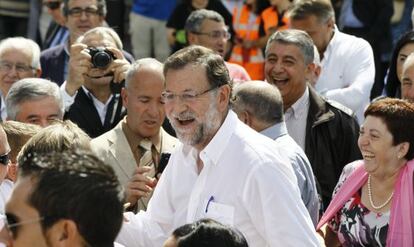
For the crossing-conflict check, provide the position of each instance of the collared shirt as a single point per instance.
(301, 167)
(134, 140)
(100, 107)
(348, 72)
(295, 118)
(245, 182)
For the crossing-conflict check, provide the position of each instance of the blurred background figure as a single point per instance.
(148, 28)
(14, 15)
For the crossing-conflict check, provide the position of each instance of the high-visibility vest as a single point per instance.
(271, 19)
(246, 26)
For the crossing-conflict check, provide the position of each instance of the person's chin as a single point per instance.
(104, 80)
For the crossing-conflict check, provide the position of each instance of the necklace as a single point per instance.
(370, 196)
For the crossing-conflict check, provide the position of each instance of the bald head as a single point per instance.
(258, 104)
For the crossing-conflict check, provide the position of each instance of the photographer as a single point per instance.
(96, 71)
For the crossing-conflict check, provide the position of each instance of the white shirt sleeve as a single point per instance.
(67, 99)
(273, 201)
(360, 76)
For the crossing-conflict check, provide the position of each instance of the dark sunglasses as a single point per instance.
(5, 159)
(52, 5)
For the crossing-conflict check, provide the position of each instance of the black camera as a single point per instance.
(101, 57)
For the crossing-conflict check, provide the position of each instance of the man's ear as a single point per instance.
(223, 98)
(38, 73)
(191, 38)
(124, 95)
(64, 233)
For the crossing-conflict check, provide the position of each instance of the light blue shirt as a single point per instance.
(301, 167)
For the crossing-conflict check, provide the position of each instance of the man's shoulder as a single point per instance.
(329, 108)
(344, 40)
(336, 106)
(108, 139)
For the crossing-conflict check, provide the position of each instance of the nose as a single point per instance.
(175, 106)
(363, 140)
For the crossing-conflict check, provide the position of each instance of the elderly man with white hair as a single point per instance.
(19, 58)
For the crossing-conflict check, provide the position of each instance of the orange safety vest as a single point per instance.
(270, 18)
(246, 26)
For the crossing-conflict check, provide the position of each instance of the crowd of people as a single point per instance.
(206, 123)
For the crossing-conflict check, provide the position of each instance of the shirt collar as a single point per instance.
(331, 45)
(214, 148)
(300, 106)
(275, 131)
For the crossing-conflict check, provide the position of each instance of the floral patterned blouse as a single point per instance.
(355, 224)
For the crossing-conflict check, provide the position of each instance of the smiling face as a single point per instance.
(216, 44)
(376, 144)
(286, 69)
(78, 25)
(142, 99)
(197, 120)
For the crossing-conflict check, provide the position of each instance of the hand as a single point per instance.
(79, 65)
(140, 185)
(119, 66)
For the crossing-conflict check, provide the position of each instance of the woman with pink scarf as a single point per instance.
(373, 201)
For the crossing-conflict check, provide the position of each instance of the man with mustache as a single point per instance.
(89, 100)
(222, 170)
(135, 146)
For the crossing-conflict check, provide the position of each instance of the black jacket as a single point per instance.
(330, 142)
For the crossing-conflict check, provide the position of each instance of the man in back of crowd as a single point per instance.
(407, 79)
(138, 148)
(91, 92)
(260, 105)
(19, 58)
(326, 130)
(207, 28)
(34, 100)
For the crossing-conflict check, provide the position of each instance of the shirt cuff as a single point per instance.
(67, 99)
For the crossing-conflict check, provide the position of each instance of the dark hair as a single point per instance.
(398, 116)
(76, 185)
(101, 7)
(321, 9)
(393, 85)
(208, 232)
(216, 70)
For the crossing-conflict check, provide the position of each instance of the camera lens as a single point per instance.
(101, 59)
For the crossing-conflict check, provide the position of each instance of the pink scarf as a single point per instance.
(401, 228)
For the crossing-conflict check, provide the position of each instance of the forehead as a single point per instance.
(148, 78)
(309, 23)
(98, 39)
(82, 3)
(284, 50)
(210, 25)
(191, 77)
(407, 49)
(373, 122)
(16, 54)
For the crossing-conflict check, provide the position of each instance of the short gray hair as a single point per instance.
(260, 99)
(302, 9)
(22, 44)
(139, 64)
(31, 89)
(196, 18)
(297, 38)
(105, 32)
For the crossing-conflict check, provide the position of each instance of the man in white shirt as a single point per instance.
(260, 105)
(223, 169)
(348, 69)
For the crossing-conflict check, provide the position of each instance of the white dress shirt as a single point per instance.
(295, 118)
(245, 183)
(301, 167)
(100, 107)
(3, 108)
(348, 72)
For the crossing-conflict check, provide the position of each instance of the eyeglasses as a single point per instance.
(52, 5)
(77, 12)
(9, 223)
(186, 97)
(216, 34)
(5, 159)
(20, 68)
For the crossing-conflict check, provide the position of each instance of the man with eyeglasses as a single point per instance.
(80, 16)
(19, 59)
(70, 198)
(207, 28)
(222, 170)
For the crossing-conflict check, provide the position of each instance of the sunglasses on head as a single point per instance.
(5, 159)
(52, 5)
